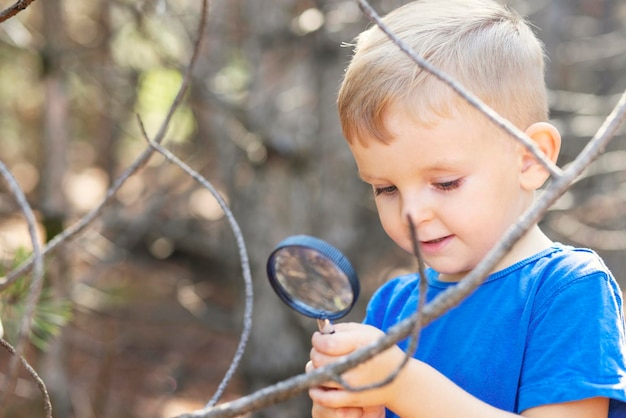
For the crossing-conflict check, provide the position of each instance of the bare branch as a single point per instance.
(11, 11)
(292, 386)
(471, 98)
(40, 383)
(415, 332)
(72, 231)
(454, 295)
(35, 262)
(36, 284)
(600, 140)
(561, 180)
(243, 254)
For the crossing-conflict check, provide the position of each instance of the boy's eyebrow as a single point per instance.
(444, 165)
(366, 178)
(362, 176)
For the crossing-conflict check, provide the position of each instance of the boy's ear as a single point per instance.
(548, 140)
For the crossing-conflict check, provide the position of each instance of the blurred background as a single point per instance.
(142, 312)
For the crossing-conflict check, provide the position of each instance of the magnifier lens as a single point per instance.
(313, 277)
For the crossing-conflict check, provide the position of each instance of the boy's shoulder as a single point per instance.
(551, 280)
(577, 258)
(549, 271)
(562, 265)
(568, 272)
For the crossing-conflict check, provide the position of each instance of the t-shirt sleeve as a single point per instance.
(575, 344)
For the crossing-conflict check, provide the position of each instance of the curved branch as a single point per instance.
(36, 284)
(139, 162)
(243, 254)
(417, 327)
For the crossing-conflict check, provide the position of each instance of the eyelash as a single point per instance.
(444, 186)
(384, 190)
(449, 185)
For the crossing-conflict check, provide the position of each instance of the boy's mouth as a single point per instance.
(434, 241)
(435, 245)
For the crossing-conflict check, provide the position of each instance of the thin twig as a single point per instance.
(423, 288)
(40, 383)
(243, 254)
(72, 231)
(288, 388)
(415, 332)
(14, 9)
(423, 283)
(36, 284)
(35, 261)
(470, 97)
(454, 295)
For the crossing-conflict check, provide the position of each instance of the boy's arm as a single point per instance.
(424, 392)
(319, 411)
(593, 407)
(419, 390)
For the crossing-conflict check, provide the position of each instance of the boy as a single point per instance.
(543, 336)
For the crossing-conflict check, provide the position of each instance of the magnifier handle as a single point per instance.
(325, 326)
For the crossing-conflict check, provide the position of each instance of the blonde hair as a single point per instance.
(485, 46)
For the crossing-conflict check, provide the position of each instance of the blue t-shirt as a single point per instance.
(549, 329)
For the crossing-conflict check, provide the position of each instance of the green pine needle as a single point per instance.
(50, 314)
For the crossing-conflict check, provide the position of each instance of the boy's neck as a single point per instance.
(533, 242)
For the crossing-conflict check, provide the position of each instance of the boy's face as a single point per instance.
(458, 180)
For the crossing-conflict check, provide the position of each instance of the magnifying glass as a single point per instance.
(314, 278)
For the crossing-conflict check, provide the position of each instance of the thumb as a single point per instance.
(347, 338)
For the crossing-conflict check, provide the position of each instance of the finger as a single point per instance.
(312, 354)
(347, 338)
(337, 344)
(320, 359)
(374, 412)
(319, 411)
(332, 398)
(346, 326)
(309, 367)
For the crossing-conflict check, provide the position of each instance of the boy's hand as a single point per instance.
(328, 348)
(320, 411)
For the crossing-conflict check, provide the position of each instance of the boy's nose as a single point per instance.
(418, 210)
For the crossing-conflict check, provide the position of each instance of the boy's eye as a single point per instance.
(384, 190)
(448, 185)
